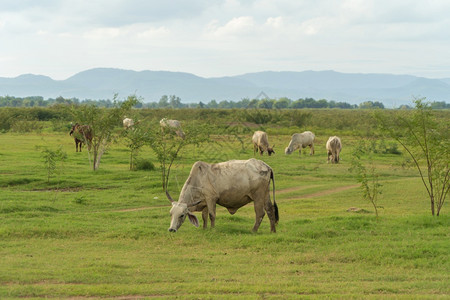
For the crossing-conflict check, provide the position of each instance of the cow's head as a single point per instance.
(288, 150)
(178, 213)
(74, 127)
(270, 150)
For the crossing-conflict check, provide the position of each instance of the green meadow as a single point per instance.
(104, 234)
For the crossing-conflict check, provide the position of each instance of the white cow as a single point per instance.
(299, 141)
(334, 147)
(127, 123)
(261, 143)
(173, 125)
(231, 184)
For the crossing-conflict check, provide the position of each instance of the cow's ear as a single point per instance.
(193, 219)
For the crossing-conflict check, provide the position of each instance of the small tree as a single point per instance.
(427, 141)
(51, 158)
(102, 123)
(167, 145)
(367, 176)
(135, 138)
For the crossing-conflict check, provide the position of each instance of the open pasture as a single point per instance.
(104, 234)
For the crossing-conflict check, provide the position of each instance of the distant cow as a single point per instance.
(231, 184)
(334, 147)
(261, 143)
(172, 125)
(128, 123)
(299, 141)
(81, 134)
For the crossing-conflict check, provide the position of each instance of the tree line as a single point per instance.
(172, 101)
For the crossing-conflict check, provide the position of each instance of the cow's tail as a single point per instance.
(275, 206)
(334, 148)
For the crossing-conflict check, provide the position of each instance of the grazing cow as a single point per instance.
(128, 123)
(173, 125)
(334, 147)
(261, 142)
(81, 134)
(231, 184)
(299, 141)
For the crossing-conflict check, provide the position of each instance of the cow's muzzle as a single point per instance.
(172, 230)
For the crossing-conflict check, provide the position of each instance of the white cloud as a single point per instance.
(275, 22)
(153, 32)
(105, 33)
(235, 27)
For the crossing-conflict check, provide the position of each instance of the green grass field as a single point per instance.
(104, 234)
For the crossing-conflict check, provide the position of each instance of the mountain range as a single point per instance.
(103, 83)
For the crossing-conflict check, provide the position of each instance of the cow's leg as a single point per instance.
(261, 150)
(270, 210)
(212, 212)
(205, 217)
(311, 152)
(259, 213)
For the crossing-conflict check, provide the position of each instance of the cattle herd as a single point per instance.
(231, 184)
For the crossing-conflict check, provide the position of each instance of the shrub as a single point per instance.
(51, 158)
(366, 175)
(258, 116)
(299, 119)
(23, 126)
(143, 164)
(60, 125)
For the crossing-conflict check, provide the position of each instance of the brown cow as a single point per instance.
(81, 134)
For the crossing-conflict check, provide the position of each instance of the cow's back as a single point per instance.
(334, 143)
(256, 136)
(234, 180)
(230, 182)
(308, 137)
(170, 123)
(260, 138)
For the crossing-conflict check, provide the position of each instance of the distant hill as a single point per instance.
(103, 83)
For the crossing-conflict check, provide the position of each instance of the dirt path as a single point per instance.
(294, 189)
(326, 192)
(139, 208)
(282, 191)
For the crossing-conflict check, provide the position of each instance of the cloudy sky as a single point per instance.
(212, 38)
